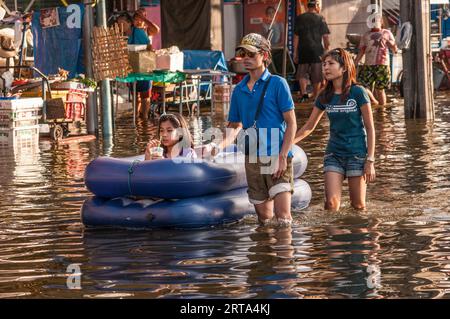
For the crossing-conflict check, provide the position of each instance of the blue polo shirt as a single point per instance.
(347, 132)
(278, 99)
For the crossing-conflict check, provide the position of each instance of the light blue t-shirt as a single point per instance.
(278, 100)
(347, 132)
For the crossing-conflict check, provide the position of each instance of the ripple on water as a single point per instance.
(398, 248)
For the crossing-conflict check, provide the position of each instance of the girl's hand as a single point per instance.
(153, 143)
(211, 149)
(369, 172)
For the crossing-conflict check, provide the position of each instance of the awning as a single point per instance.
(156, 76)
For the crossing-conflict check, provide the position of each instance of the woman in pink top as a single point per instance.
(375, 74)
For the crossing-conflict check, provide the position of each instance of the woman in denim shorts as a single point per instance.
(351, 148)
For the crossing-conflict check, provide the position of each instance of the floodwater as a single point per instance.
(398, 248)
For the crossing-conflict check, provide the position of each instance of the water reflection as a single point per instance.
(276, 262)
(352, 247)
(171, 264)
(419, 163)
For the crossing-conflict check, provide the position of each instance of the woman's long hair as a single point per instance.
(349, 77)
(180, 124)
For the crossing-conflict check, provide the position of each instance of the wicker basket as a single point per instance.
(55, 109)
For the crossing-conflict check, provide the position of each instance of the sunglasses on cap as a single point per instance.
(241, 53)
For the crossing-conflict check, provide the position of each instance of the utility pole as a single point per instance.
(107, 122)
(92, 115)
(417, 61)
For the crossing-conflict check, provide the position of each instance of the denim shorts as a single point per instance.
(351, 166)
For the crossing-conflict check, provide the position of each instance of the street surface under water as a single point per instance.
(398, 248)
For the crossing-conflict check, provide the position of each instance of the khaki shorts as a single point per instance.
(313, 69)
(262, 187)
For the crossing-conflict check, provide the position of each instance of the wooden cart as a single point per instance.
(58, 113)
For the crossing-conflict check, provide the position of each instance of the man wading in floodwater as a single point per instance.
(262, 112)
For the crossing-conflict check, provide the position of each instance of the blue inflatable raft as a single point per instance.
(211, 210)
(169, 179)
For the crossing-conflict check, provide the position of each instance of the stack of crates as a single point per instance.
(76, 105)
(222, 97)
(19, 123)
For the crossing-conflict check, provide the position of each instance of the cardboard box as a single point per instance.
(142, 61)
(67, 85)
(172, 62)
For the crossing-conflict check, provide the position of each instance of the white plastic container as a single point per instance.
(26, 103)
(137, 47)
(20, 112)
(397, 65)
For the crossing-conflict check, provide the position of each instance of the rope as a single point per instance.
(130, 172)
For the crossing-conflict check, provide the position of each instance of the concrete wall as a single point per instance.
(216, 25)
(345, 16)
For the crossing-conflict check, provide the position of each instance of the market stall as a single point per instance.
(179, 84)
(160, 76)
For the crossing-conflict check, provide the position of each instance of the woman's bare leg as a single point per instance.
(357, 188)
(333, 190)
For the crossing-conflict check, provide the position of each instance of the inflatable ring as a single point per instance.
(173, 179)
(212, 210)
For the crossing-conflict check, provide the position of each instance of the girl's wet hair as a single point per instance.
(349, 77)
(177, 122)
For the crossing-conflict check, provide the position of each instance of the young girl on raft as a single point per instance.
(351, 147)
(173, 139)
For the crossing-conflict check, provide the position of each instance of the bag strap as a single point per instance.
(261, 100)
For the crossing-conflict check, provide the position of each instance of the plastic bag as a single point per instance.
(404, 35)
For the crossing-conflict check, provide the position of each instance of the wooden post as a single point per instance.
(424, 59)
(92, 111)
(417, 61)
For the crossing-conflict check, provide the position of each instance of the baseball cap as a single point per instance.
(312, 2)
(254, 42)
